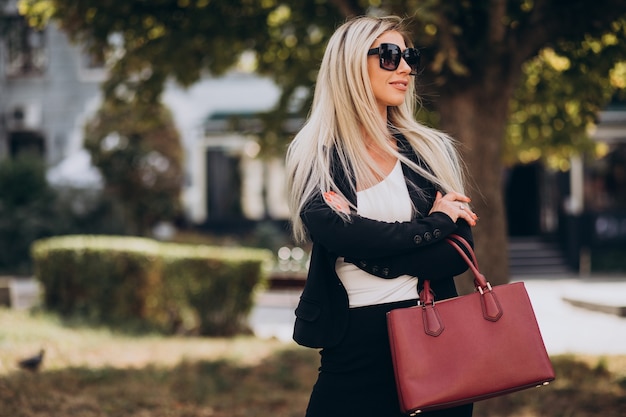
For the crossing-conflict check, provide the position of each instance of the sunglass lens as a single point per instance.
(389, 56)
(412, 57)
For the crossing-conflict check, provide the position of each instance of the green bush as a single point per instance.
(164, 286)
(31, 209)
(216, 284)
(26, 211)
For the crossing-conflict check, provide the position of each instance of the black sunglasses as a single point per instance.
(390, 54)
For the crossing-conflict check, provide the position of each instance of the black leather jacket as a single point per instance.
(384, 249)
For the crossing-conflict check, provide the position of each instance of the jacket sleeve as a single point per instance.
(363, 238)
(439, 260)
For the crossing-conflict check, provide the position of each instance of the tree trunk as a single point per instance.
(476, 116)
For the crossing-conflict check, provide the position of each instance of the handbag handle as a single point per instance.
(491, 307)
(480, 282)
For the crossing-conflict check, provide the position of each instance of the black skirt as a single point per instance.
(356, 377)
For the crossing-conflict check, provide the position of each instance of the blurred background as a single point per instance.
(156, 124)
(170, 119)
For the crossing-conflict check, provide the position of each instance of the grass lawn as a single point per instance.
(94, 372)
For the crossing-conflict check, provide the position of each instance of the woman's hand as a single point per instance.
(335, 200)
(455, 206)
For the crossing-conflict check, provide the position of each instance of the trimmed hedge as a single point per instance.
(169, 287)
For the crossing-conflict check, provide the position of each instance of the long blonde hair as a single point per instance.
(344, 109)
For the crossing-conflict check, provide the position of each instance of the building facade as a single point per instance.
(49, 88)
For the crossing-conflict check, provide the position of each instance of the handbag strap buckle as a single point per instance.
(482, 290)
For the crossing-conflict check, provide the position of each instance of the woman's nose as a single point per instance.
(404, 66)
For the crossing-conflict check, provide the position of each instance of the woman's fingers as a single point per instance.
(467, 214)
(455, 206)
(335, 200)
(454, 196)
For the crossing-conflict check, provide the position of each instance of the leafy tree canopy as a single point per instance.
(138, 151)
(556, 107)
(563, 87)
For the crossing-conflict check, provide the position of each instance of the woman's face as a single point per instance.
(389, 87)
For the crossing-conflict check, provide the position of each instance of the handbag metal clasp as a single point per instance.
(480, 289)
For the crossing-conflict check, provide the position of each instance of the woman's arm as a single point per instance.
(363, 238)
(439, 260)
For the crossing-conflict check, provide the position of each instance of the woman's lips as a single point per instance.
(400, 85)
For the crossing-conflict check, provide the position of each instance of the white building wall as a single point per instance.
(54, 101)
(236, 93)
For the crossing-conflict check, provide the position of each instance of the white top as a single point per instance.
(387, 201)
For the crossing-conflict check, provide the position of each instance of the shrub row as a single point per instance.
(170, 287)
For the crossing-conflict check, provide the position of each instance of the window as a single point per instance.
(26, 143)
(25, 48)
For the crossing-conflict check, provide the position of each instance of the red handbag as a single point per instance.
(467, 348)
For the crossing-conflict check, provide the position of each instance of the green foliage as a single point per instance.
(88, 211)
(30, 209)
(138, 151)
(99, 278)
(146, 43)
(129, 281)
(462, 43)
(23, 182)
(182, 37)
(217, 284)
(563, 90)
(27, 211)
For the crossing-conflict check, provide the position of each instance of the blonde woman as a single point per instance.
(376, 193)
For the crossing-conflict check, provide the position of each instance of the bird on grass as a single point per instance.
(33, 363)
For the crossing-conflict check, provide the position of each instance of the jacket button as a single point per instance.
(385, 272)
(375, 269)
(428, 236)
(362, 264)
(417, 239)
(437, 233)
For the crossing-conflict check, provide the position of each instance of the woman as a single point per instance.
(377, 193)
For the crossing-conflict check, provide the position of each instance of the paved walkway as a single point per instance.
(566, 327)
(575, 315)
